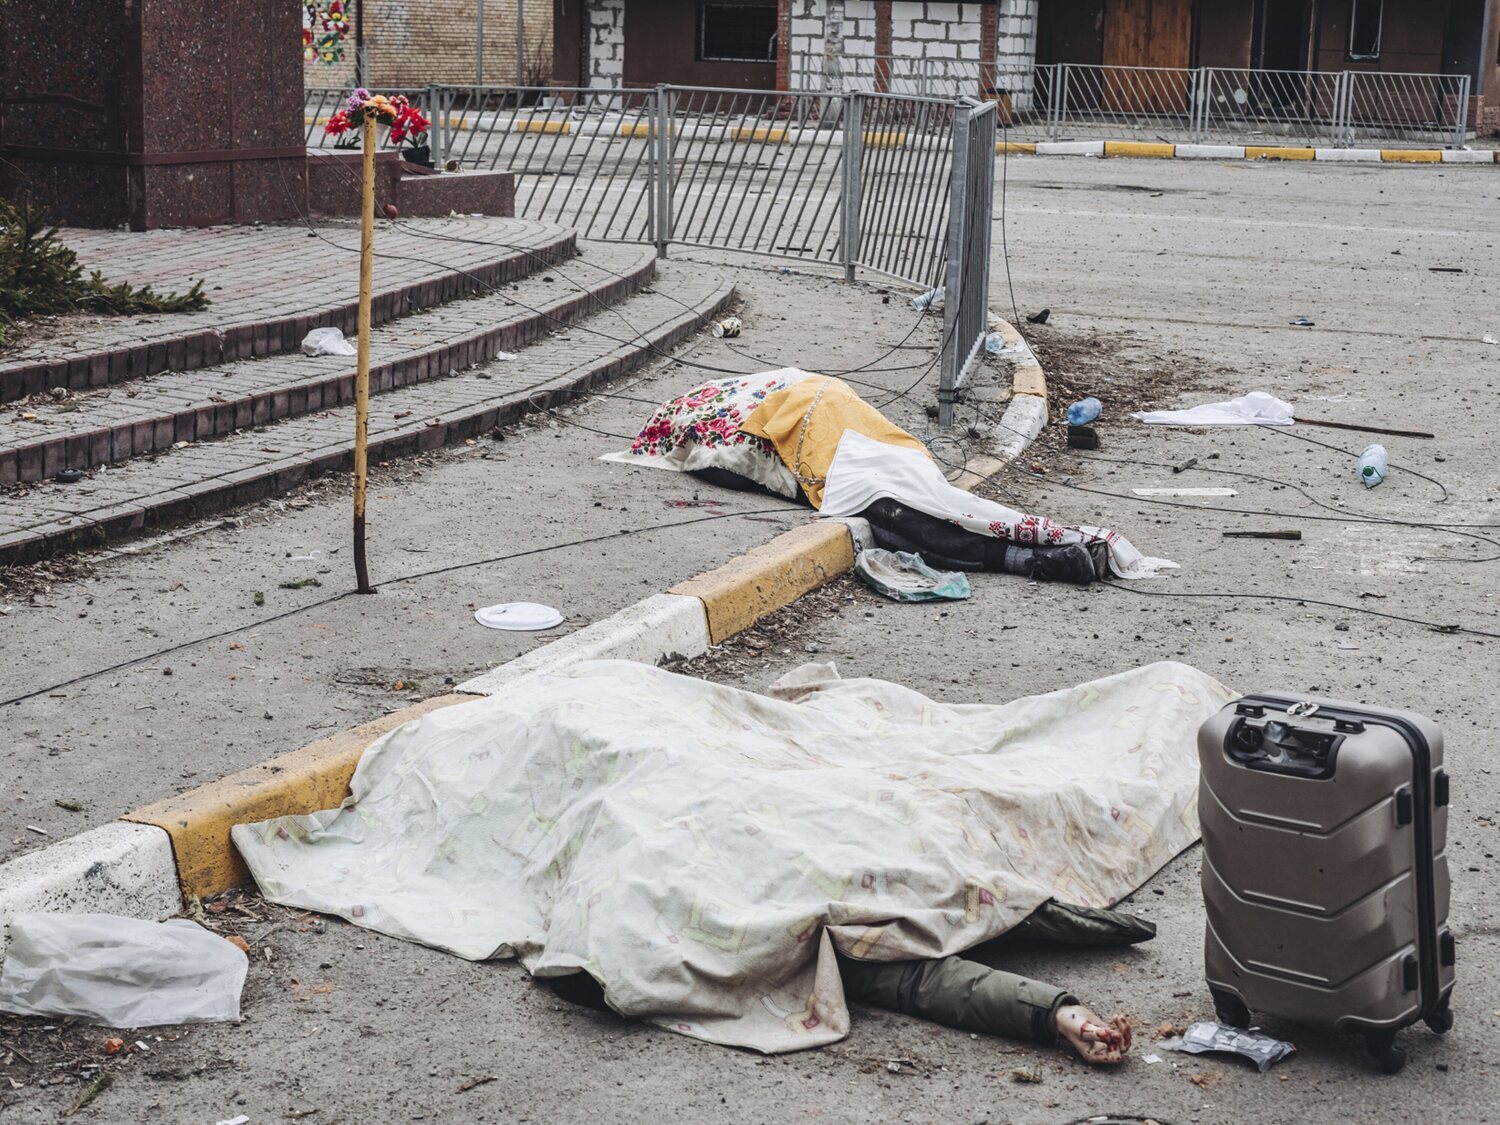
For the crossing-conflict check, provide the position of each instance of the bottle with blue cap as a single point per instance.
(1082, 413)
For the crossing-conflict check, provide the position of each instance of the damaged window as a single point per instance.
(736, 32)
(1364, 28)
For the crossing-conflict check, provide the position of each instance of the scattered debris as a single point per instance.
(1184, 492)
(113, 1046)
(475, 1082)
(300, 583)
(1206, 1079)
(904, 577)
(1085, 411)
(1372, 465)
(38, 831)
(120, 972)
(933, 298)
(259, 597)
(70, 805)
(522, 617)
(1301, 322)
(326, 341)
(100, 1083)
(1026, 1074)
(239, 943)
(1184, 466)
(693, 503)
(1364, 429)
(1039, 318)
(1152, 1059)
(1444, 269)
(728, 328)
(1292, 534)
(69, 476)
(1206, 1035)
(1489, 338)
(1083, 437)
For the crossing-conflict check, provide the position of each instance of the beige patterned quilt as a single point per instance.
(701, 850)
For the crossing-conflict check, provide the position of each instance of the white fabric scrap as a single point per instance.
(1254, 409)
(702, 851)
(865, 470)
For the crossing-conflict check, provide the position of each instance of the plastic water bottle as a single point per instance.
(1372, 465)
(1082, 413)
(926, 300)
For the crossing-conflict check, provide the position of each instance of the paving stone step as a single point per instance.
(112, 426)
(269, 294)
(209, 476)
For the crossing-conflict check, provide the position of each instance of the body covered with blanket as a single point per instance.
(702, 850)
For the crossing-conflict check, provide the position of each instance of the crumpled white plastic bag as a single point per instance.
(326, 341)
(120, 972)
(1254, 409)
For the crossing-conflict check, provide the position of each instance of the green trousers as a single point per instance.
(973, 997)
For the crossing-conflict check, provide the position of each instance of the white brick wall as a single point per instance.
(1015, 50)
(606, 24)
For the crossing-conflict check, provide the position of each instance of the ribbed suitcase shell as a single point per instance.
(1327, 896)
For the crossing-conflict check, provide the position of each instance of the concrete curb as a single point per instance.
(1164, 151)
(179, 847)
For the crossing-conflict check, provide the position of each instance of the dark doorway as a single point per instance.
(1281, 34)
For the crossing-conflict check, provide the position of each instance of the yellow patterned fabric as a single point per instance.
(805, 422)
(702, 851)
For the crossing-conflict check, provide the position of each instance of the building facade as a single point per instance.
(991, 48)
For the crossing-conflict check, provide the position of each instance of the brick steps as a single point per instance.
(244, 327)
(199, 405)
(206, 477)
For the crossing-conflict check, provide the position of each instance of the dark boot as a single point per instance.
(1072, 563)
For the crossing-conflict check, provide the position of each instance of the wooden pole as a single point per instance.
(362, 376)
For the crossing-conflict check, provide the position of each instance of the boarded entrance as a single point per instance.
(1147, 33)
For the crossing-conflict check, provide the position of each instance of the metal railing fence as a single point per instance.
(1205, 105)
(886, 182)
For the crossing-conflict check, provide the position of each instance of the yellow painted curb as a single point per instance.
(1014, 146)
(306, 780)
(548, 127)
(885, 138)
(762, 133)
(1029, 379)
(1273, 152)
(1140, 148)
(641, 129)
(743, 590)
(1411, 155)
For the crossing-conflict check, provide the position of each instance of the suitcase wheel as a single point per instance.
(1230, 1008)
(1382, 1047)
(1441, 1021)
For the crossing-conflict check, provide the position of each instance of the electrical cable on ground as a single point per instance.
(396, 581)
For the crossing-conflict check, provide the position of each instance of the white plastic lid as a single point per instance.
(518, 616)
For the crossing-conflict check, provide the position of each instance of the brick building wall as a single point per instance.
(420, 42)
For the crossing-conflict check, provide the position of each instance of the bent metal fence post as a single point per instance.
(967, 287)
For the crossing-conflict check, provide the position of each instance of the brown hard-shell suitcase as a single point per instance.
(1325, 874)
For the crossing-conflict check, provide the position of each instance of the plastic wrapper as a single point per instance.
(326, 341)
(120, 972)
(1205, 1036)
(904, 577)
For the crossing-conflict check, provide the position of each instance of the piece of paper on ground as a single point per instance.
(701, 850)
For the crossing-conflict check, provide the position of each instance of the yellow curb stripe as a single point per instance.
(743, 590)
(535, 125)
(1274, 152)
(1029, 379)
(642, 129)
(885, 138)
(306, 780)
(763, 133)
(1015, 146)
(1411, 155)
(1140, 148)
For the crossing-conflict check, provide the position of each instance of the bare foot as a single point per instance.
(1095, 1041)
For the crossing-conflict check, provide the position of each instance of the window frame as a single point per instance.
(1373, 55)
(700, 46)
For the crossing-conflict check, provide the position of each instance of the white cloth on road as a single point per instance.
(865, 470)
(1254, 409)
(702, 850)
